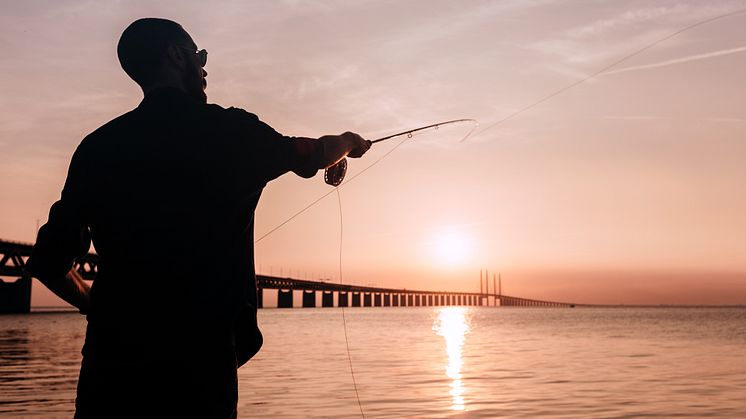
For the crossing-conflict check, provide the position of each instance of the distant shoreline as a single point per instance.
(53, 309)
(67, 309)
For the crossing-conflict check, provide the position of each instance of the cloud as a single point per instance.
(717, 119)
(632, 117)
(681, 60)
(601, 40)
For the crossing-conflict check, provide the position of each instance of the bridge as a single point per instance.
(15, 289)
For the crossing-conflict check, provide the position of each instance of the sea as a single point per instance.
(438, 362)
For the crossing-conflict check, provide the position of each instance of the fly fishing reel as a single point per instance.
(334, 175)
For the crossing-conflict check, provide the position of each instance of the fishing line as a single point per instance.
(607, 68)
(344, 320)
(408, 134)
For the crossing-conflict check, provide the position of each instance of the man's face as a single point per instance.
(193, 75)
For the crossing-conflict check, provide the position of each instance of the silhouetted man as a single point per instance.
(167, 194)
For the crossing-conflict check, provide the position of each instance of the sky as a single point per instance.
(629, 188)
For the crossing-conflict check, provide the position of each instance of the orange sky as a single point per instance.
(630, 188)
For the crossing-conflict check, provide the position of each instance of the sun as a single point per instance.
(452, 248)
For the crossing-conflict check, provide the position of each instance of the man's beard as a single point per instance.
(195, 86)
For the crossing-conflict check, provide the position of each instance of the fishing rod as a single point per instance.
(435, 126)
(334, 175)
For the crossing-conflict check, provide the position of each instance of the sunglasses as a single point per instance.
(201, 55)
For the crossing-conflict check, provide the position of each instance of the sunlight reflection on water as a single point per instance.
(438, 362)
(452, 323)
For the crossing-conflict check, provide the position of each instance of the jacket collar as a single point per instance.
(166, 96)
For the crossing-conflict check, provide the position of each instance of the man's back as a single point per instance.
(167, 193)
(170, 214)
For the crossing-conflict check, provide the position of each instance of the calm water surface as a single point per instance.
(475, 362)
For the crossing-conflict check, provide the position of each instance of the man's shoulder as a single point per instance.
(110, 128)
(238, 120)
(234, 113)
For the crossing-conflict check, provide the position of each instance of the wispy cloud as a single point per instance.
(624, 19)
(681, 60)
(632, 117)
(600, 40)
(731, 120)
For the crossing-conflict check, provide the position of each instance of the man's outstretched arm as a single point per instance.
(335, 148)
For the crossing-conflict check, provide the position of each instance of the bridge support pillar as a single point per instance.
(377, 299)
(285, 298)
(327, 299)
(309, 298)
(386, 300)
(366, 299)
(355, 299)
(15, 297)
(410, 300)
(395, 300)
(260, 298)
(342, 299)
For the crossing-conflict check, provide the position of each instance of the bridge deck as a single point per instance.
(13, 256)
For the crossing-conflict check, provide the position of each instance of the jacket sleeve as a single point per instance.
(269, 154)
(65, 236)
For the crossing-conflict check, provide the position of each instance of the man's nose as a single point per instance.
(204, 73)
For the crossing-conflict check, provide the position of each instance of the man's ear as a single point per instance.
(175, 55)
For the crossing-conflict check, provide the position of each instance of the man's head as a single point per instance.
(159, 52)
